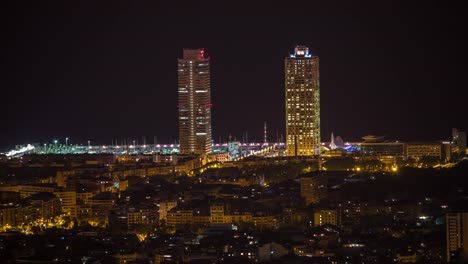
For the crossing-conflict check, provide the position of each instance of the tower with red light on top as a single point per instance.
(194, 103)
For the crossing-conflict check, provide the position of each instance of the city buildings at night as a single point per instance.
(194, 103)
(378, 146)
(250, 181)
(313, 188)
(323, 217)
(459, 140)
(418, 150)
(456, 236)
(302, 90)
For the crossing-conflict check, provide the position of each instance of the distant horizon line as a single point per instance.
(141, 140)
(166, 144)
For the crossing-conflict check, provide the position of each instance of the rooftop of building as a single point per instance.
(194, 54)
(424, 143)
(301, 51)
(104, 196)
(373, 139)
(43, 196)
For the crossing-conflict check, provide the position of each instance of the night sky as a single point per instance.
(102, 71)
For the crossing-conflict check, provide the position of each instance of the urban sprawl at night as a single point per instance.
(303, 200)
(300, 138)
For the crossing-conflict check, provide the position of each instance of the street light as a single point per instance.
(66, 141)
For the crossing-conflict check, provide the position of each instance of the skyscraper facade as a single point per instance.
(194, 103)
(302, 103)
(456, 225)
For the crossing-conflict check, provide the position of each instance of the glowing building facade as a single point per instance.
(314, 187)
(456, 225)
(194, 103)
(302, 103)
(323, 217)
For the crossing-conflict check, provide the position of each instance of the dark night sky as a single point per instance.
(105, 71)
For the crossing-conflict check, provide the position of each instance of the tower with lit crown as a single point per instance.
(194, 103)
(302, 90)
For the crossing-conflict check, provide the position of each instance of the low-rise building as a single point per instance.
(68, 201)
(314, 187)
(323, 217)
(418, 150)
(12, 214)
(179, 216)
(141, 216)
(45, 205)
(219, 157)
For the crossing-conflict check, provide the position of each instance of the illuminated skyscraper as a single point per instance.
(194, 103)
(302, 103)
(456, 225)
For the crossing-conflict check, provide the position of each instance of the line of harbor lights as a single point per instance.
(265, 146)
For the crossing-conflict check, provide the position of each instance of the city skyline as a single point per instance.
(282, 132)
(72, 73)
